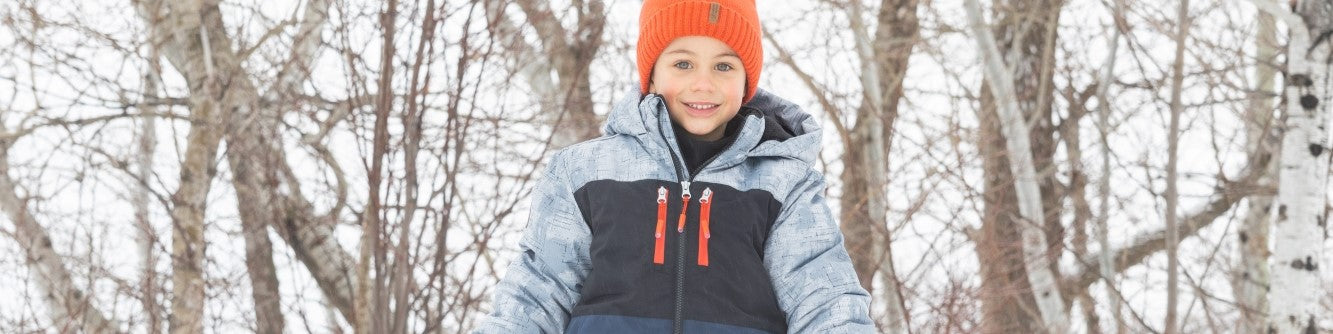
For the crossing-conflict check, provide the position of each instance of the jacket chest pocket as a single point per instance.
(738, 226)
(622, 217)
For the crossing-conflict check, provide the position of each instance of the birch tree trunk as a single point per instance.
(200, 49)
(863, 202)
(259, 260)
(261, 172)
(1036, 263)
(864, 205)
(263, 274)
(1299, 229)
(277, 201)
(292, 216)
(187, 216)
(1250, 282)
(206, 77)
(263, 178)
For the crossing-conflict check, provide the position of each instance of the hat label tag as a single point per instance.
(713, 11)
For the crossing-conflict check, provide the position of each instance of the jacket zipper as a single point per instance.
(677, 325)
(659, 249)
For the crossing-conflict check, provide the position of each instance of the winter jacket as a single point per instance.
(621, 239)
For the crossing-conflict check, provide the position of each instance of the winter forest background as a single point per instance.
(364, 166)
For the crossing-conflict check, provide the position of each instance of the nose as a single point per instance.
(703, 81)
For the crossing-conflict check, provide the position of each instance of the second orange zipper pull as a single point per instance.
(705, 208)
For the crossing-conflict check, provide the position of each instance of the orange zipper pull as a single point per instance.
(705, 207)
(659, 249)
(685, 205)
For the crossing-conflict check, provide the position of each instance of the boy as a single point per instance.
(699, 211)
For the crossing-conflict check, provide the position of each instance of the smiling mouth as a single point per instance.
(701, 109)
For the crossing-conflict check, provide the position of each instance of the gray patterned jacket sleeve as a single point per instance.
(811, 271)
(543, 282)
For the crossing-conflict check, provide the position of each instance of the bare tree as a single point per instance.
(187, 28)
(1012, 116)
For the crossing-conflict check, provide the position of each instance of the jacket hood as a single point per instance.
(773, 127)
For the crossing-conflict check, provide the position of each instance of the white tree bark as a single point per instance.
(872, 135)
(198, 48)
(1045, 286)
(1300, 219)
(147, 237)
(534, 70)
(1250, 281)
(189, 202)
(195, 42)
(178, 28)
(262, 173)
(187, 215)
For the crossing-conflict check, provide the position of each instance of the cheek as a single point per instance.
(737, 91)
(661, 84)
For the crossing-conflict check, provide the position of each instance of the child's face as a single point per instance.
(702, 81)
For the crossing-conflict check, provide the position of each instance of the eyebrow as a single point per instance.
(688, 52)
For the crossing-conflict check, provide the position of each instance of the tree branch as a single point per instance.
(1150, 243)
(819, 91)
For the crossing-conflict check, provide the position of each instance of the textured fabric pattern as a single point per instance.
(806, 260)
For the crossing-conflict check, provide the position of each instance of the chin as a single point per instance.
(697, 130)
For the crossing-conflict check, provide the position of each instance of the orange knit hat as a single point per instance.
(733, 22)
